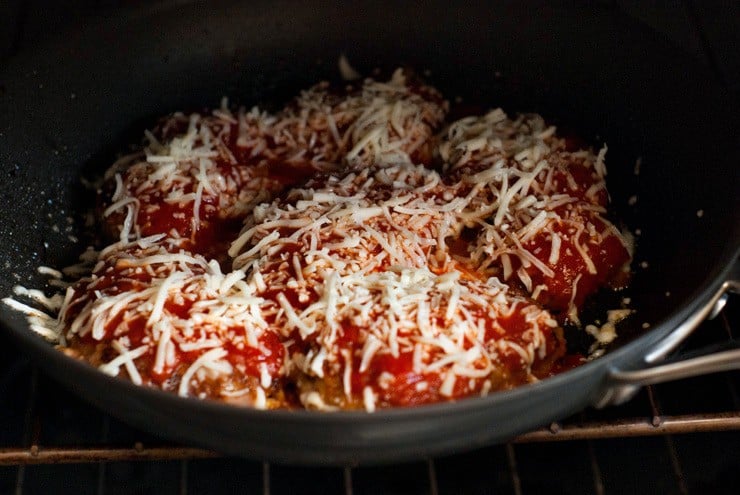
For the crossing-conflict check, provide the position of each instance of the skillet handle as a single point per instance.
(623, 385)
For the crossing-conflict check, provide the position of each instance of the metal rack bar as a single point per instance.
(666, 425)
(596, 470)
(348, 487)
(516, 480)
(590, 430)
(37, 455)
(265, 478)
(676, 465)
(433, 485)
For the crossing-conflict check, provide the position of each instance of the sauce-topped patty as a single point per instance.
(351, 251)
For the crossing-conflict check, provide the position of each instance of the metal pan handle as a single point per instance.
(622, 385)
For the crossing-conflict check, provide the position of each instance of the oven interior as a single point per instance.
(673, 438)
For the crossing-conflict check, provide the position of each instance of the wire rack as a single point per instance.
(679, 437)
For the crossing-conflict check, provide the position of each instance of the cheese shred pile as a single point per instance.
(351, 251)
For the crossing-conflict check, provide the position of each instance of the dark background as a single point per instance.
(35, 411)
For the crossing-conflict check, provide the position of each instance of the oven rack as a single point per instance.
(46, 431)
(571, 430)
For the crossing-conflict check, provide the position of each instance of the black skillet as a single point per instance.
(66, 108)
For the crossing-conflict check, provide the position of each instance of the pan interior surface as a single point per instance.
(67, 109)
